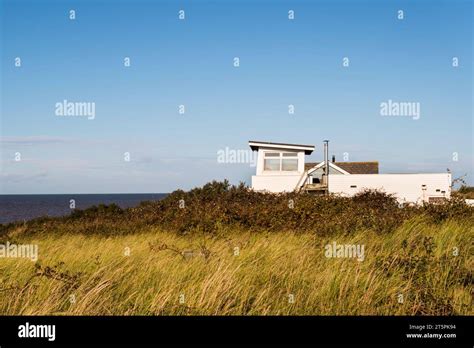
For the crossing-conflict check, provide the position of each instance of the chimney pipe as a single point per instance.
(326, 162)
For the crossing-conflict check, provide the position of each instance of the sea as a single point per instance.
(25, 207)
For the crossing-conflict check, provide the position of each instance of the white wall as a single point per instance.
(275, 183)
(406, 187)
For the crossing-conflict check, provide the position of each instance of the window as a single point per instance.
(272, 161)
(281, 161)
(318, 174)
(289, 161)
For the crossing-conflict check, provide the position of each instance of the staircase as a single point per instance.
(315, 188)
(302, 185)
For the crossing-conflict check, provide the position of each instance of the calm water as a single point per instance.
(25, 207)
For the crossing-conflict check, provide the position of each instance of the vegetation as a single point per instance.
(225, 250)
(217, 204)
(466, 192)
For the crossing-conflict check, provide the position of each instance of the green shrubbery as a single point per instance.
(219, 204)
(466, 192)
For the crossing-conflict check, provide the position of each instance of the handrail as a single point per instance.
(298, 184)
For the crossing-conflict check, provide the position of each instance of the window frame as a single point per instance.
(280, 156)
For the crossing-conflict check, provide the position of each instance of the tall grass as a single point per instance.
(236, 272)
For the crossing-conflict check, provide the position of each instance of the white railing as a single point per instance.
(299, 184)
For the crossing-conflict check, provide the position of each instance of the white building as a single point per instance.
(282, 167)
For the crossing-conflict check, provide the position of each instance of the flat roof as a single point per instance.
(254, 145)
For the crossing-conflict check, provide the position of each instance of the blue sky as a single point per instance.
(190, 62)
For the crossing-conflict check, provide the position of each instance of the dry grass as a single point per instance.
(416, 260)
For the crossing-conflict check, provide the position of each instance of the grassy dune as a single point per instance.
(237, 272)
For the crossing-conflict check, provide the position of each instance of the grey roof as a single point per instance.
(371, 167)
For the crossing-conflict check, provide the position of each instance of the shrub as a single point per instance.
(219, 204)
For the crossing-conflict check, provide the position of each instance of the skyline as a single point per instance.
(190, 62)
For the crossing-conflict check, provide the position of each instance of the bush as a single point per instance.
(466, 192)
(219, 204)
